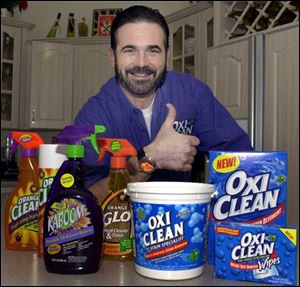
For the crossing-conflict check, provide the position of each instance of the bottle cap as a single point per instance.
(118, 162)
(75, 151)
(52, 155)
(29, 152)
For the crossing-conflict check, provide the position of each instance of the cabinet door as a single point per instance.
(92, 69)
(228, 76)
(281, 112)
(189, 38)
(10, 76)
(205, 40)
(51, 85)
(184, 43)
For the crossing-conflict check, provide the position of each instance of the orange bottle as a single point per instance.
(118, 228)
(21, 209)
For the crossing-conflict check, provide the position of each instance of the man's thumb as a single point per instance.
(171, 115)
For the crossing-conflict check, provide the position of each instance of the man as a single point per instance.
(167, 116)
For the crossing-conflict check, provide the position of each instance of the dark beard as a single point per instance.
(140, 88)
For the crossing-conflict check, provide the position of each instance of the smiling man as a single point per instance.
(139, 61)
(166, 115)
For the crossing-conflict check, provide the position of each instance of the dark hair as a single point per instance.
(135, 14)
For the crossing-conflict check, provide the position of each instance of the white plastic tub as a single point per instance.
(170, 227)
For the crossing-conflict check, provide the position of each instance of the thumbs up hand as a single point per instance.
(172, 150)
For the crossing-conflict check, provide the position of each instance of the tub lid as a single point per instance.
(170, 187)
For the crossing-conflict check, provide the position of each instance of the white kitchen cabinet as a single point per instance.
(92, 68)
(228, 75)
(51, 85)
(261, 72)
(13, 35)
(63, 74)
(189, 39)
(281, 110)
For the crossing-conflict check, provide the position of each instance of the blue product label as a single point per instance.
(170, 237)
(250, 187)
(259, 253)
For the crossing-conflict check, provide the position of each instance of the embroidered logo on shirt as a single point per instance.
(184, 127)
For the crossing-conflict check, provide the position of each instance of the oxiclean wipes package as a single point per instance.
(259, 253)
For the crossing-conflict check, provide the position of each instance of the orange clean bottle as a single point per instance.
(118, 228)
(21, 209)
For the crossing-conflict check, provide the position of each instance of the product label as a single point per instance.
(170, 237)
(46, 177)
(245, 195)
(23, 215)
(250, 187)
(226, 163)
(117, 230)
(25, 138)
(256, 253)
(68, 227)
(67, 180)
(115, 146)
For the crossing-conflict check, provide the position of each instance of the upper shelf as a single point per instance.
(16, 23)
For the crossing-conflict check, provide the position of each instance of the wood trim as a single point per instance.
(74, 41)
(188, 11)
(16, 23)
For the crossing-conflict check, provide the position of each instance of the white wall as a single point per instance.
(43, 13)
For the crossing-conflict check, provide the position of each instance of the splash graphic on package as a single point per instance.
(250, 187)
(260, 253)
(170, 237)
(68, 231)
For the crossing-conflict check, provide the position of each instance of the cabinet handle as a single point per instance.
(33, 116)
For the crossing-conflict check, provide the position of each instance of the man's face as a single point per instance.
(140, 58)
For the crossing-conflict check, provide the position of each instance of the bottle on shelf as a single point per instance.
(71, 26)
(83, 28)
(55, 27)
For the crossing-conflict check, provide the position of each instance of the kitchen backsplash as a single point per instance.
(45, 135)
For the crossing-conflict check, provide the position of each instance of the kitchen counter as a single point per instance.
(25, 268)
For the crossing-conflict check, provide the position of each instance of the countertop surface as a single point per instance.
(25, 268)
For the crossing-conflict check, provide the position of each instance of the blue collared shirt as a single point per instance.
(198, 113)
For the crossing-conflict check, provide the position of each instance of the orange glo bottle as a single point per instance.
(118, 229)
(21, 209)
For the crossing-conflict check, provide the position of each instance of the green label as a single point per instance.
(125, 244)
(115, 146)
(32, 226)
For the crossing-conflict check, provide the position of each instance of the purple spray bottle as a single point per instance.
(73, 221)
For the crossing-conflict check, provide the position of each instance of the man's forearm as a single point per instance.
(99, 189)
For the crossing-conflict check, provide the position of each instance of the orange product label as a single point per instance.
(21, 214)
(226, 230)
(114, 249)
(117, 232)
(46, 177)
